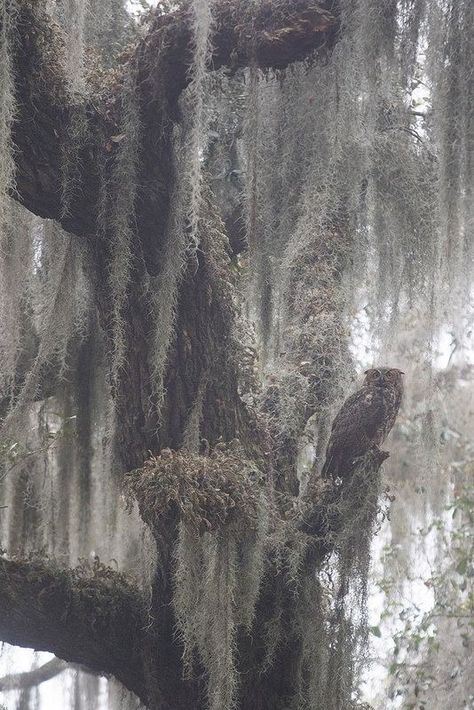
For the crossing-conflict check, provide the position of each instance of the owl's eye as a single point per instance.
(373, 375)
(393, 374)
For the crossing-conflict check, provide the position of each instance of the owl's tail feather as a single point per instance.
(336, 465)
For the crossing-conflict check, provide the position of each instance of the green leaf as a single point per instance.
(461, 567)
(393, 667)
(375, 631)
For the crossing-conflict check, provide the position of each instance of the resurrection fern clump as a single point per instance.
(206, 492)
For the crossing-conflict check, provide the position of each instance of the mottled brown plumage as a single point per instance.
(364, 421)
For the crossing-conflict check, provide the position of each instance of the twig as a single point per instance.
(29, 679)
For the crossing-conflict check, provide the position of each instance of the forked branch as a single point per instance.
(278, 34)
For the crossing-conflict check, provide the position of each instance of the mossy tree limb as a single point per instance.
(95, 622)
(44, 109)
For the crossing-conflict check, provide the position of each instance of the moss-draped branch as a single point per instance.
(97, 621)
(275, 36)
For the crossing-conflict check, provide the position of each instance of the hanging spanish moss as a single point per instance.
(197, 131)
(7, 112)
(15, 277)
(187, 198)
(351, 150)
(118, 223)
(209, 583)
(109, 27)
(60, 263)
(12, 256)
(218, 556)
(349, 182)
(72, 15)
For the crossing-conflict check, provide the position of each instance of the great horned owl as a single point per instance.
(364, 420)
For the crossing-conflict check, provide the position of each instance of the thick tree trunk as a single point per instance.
(95, 617)
(96, 621)
(160, 64)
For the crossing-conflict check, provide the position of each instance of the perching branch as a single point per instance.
(331, 507)
(96, 621)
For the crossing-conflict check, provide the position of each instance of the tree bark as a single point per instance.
(98, 619)
(95, 621)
